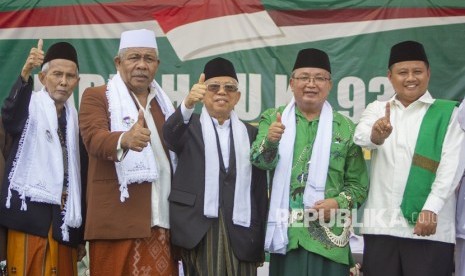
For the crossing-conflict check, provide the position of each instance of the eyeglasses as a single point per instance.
(227, 87)
(317, 79)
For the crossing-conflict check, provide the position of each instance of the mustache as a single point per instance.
(140, 74)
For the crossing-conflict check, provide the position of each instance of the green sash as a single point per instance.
(426, 158)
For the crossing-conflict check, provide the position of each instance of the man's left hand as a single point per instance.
(426, 224)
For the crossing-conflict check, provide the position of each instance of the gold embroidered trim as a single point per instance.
(425, 163)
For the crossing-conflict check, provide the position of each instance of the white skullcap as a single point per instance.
(138, 39)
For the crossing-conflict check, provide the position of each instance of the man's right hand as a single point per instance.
(197, 93)
(382, 128)
(276, 130)
(138, 137)
(34, 60)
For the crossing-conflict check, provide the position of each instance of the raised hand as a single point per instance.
(276, 130)
(197, 93)
(34, 60)
(382, 128)
(138, 137)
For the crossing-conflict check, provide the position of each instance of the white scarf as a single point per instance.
(37, 170)
(242, 204)
(276, 239)
(136, 167)
(167, 109)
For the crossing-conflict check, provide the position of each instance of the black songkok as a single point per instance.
(407, 51)
(312, 58)
(61, 50)
(219, 67)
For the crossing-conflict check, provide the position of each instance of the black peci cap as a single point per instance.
(61, 50)
(406, 51)
(312, 58)
(219, 67)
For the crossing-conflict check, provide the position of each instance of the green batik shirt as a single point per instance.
(347, 180)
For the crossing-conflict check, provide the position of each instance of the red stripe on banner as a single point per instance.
(171, 13)
(193, 11)
(308, 17)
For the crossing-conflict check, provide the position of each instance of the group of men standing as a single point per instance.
(147, 184)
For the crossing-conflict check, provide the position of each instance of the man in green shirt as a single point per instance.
(319, 175)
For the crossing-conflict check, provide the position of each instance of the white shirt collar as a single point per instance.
(425, 99)
(225, 124)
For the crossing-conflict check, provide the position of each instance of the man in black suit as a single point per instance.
(218, 200)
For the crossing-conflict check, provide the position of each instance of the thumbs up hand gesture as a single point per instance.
(34, 60)
(382, 128)
(276, 130)
(197, 93)
(138, 137)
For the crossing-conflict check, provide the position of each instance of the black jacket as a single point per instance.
(187, 221)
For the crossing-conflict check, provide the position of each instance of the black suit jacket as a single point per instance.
(187, 221)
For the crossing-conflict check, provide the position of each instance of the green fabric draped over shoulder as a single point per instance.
(426, 158)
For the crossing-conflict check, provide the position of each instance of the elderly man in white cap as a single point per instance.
(129, 166)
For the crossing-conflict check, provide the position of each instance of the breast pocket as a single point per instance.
(182, 197)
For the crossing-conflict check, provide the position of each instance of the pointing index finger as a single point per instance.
(388, 111)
